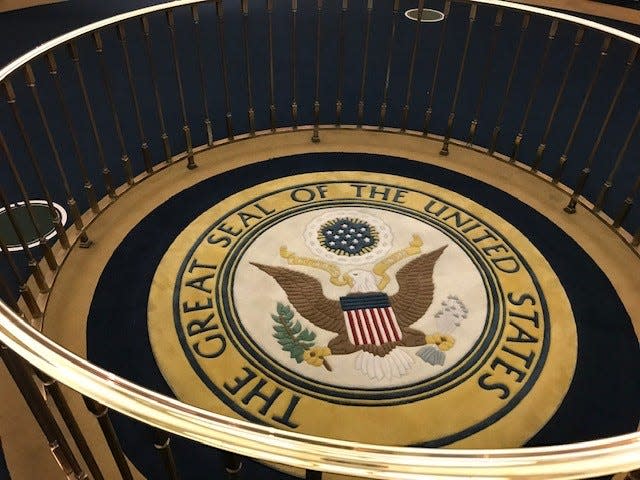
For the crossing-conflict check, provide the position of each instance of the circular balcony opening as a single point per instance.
(42, 216)
(428, 15)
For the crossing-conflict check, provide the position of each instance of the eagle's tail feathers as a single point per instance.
(396, 364)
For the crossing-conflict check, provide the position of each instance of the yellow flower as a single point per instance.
(443, 341)
(315, 356)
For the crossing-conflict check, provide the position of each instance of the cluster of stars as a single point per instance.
(347, 236)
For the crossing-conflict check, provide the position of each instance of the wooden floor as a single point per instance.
(69, 301)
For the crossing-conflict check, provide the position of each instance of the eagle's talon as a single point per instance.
(315, 356)
(443, 341)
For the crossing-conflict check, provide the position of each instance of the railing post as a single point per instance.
(294, 63)
(514, 66)
(162, 443)
(365, 58)
(191, 164)
(24, 289)
(562, 162)
(124, 155)
(412, 65)
(195, 16)
(55, 217)
(42, 242)
(58, 445)
(102, 415)
(53, 389)
(497, 24)
(146, 30)
(586, 171)
(232, 464)
(343, 11)
(71, 202)
(223, 64)
(563, 85)
(106, 172)
(272, 96)
(251, 114)
(316, 103)
(625, 208)
(144, 146)
(387, 77)
(436, 69)
(452, 115)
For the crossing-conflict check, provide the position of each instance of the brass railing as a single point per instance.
(85, 179)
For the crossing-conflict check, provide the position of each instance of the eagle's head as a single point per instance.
(363, 281)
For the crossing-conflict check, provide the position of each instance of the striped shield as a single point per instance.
(369, 319)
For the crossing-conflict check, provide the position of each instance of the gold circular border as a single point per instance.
(512, 429)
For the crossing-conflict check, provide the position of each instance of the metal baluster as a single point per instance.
(144, 21)
(582, 181)
(365, 58)
(88, 187)
(587, 97)
(232, 464)
(627, 204)
(534, 89)
(387, 77)
(24, 289)
(55, 217)
(543, 143)
(272, 97)
(53, 389)
(9, 297)
(191, 164)
(223, 63)
(312, 475)
(436, 70)
(42, 242)
(102, 415)
(106, 173)
(343, 11)
(23, 378)
(452, 115)
(34, 267)
(71, 202)
(245, 40)
(497, 24)
(195, 16)
(144, 146)
(608, 184)
(294, 61)
(316, 103)
(412, 64)
(514, 66)
(124, 156)
(162, 443)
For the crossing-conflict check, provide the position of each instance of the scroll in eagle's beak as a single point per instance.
(348, 278)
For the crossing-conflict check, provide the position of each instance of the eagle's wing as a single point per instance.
(415, 294)
(305, 293)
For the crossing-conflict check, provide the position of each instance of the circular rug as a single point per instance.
(460, 317)
(354, 305)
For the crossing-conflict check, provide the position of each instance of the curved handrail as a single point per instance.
(598, 457)
(591, 458)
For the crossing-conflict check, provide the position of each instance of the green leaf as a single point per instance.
(283, 311)
(297, 352)
(276, 318)
(296, 328)
(306, 336)
(280, 329)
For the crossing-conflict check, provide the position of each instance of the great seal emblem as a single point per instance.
(386, 302)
